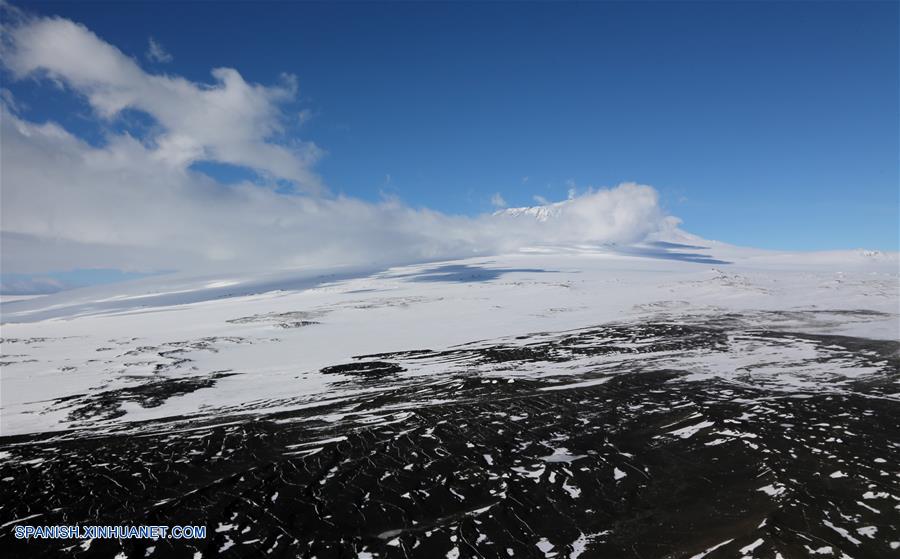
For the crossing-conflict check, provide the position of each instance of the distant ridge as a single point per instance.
(539, 213)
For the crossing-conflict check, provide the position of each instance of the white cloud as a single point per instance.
(229, 121)
(497, 200)
(156, 52)
(136, 204)
(540, 199)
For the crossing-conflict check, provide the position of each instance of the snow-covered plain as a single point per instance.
(256, 341)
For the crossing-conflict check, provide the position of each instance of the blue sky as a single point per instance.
(763, 124)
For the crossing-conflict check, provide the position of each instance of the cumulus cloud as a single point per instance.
(138, 204)
(229, 121)
(156, 52)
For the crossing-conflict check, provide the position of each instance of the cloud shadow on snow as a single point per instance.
(465, 273)
(669, 251)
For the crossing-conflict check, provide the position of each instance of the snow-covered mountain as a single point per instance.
(448, 399)
(542, 212)
(118, 336)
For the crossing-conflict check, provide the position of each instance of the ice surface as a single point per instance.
(179, 346)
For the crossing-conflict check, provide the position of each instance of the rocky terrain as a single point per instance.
(622, 446)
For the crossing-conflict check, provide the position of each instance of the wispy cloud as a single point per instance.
(305, 116)
(156, 52)
(497, 201)
(136, 203)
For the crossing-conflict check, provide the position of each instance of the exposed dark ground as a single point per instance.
(640, 462)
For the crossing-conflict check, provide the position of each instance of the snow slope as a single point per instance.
(241, 342)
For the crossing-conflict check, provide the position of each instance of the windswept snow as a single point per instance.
(234, 342)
